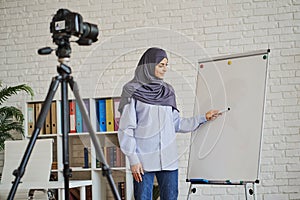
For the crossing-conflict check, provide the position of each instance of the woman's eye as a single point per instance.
(163, 65)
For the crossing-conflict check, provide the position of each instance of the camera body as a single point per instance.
(66, 23)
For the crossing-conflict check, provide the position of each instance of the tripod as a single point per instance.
(64, 77)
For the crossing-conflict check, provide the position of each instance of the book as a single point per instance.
(86, 157)
(123, 159)
(108, 156)
(37, 110)
(98, 163)
(122, 190)
(30, 118)
(78, 119)
(87, 105)
(117, 114)
(114, 156)
(109, 107)
(47, 125)
(118, 157)
(102, 115)
(72, 106)
(53, 118)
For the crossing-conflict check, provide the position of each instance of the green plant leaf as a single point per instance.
(7, 92)
(11, 118)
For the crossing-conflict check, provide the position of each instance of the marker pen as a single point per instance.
(223, 111)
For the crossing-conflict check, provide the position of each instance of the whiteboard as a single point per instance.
(229, 147)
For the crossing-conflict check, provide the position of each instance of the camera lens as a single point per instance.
(90, 31)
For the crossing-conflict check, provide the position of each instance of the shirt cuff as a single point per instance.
(202, 119)
(133, 159)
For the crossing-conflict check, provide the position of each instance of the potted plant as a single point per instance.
(11, 118)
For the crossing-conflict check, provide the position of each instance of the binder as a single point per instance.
(53, 118)
(86, 157)
(98, 163)
(87, 105)
(78, 119)
(114, 157)
(101, 115)
(111, 156)
(117, 114)
(122, 190)
(109, 115)
(123, 159)
(37, 110)
(90, 158)
(118, 157)
(47, 124)
(72, 106)
(30, 118)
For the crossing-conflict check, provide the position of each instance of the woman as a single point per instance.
(148, 124)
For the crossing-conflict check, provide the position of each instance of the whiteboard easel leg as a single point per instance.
(246, 191)
(250, 191)
(254, 191)
(189, 192)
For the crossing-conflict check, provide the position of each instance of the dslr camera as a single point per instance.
(66, 23)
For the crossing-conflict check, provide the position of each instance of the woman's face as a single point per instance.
(161, 68)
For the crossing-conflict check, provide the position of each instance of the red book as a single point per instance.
(72, 105)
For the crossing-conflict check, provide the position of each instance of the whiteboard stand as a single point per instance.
(250, 187)
(218, 149)
(250, 191)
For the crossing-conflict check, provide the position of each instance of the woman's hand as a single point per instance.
(137, 172)
(212, 115)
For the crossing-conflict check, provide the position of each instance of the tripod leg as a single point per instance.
(99, 152)
(18, 173)
(67, 172)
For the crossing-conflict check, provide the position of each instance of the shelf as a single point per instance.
(79, 141)
(107, 133)
(112, 168)
(85, 133)
(74, 169)
(75, 134)
(80, 169)
(44, 136)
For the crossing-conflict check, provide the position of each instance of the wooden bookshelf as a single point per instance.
(82, 155)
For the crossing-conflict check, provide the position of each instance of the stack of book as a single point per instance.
(114, 157)
(108, 115)
(33, 112)
(77, 124)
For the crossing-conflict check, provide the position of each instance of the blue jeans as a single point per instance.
(167, 182)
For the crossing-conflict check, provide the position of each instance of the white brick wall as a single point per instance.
(189, 30)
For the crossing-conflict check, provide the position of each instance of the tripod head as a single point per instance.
(64, 48)
(63, 53)
(64, 24)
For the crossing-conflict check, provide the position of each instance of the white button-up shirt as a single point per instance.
(147, 134)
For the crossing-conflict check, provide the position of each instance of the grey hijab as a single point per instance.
(145, 86)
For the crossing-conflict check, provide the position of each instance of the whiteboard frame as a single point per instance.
(233, 56)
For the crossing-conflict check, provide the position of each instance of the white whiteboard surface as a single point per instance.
(228, 148)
